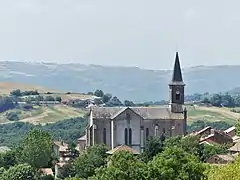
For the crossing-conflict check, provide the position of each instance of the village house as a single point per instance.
(81, 143)
(132, 126)
(221, 159)
(209, 135)
(235, 149)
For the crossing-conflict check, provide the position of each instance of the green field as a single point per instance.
(44, 114)
(212, 114)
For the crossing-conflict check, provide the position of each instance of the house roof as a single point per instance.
(144, 112)
(63, 147)
(202, 130)
(235, 148)
(226, 157)
(122, 148)
(83, 138)
(46, 171)
(230, 129)
(236, 139)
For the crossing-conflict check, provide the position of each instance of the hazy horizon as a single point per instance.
(132, 33)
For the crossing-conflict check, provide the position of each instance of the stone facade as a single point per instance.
(132, 126)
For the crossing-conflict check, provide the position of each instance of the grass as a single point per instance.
(211, 114)
(45, 114)
(7, 87)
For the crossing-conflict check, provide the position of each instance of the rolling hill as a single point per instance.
(44, 114)
(125, 82)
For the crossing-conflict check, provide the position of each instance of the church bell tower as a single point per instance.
(176, 88)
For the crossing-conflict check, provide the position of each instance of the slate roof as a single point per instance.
(144, 112)
(177, 73)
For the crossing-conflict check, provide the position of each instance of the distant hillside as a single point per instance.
(125, 82)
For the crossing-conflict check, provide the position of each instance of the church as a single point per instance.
(133, 126)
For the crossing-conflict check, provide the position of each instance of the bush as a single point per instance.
(12, 116)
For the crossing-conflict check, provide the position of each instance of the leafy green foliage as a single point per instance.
(210, 150)
(7, 159)
(12, 116)
(98, 93)
(58, 98)
(36, 149)
(122, 165)
(153, 147)
(175, 163)
(93, 157)
(18, 172)
(68, 130)
(106, 97)
(238, 127)
(227, 172)
(6, 103)
(198, 125)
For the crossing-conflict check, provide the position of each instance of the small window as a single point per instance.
(147, 133)
(128, 118)
(163, 130)
(126, 136)
(104, 136)
(130, 136)
(156, 130)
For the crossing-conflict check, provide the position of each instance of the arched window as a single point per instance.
(104, 136)
(147, 133)
(126, 136)
(156, 130)
(130, 136)
(128, 118)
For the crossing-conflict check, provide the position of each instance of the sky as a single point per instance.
(143, 33)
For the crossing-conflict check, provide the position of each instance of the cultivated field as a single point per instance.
(211, 114)
(44, 114)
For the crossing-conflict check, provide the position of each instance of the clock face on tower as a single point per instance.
(177, 95)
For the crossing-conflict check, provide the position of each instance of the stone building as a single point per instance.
(133, 126)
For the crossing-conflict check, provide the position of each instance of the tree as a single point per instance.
(36, 149)
(7, 159)
(210, 150)
(98, 93)
(106, 97)
(16, 92)
(95, 156)
(18, 172)
(227, 172)
(122, 165)
(128, 103)
(238, 127)
(49, 98)
(153, 147)
(175, 163)
(58, 98)
(114, 102)
(190, 144)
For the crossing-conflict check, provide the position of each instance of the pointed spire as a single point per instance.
(177, 73)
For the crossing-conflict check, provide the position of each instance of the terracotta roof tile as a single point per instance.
(122, 148)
